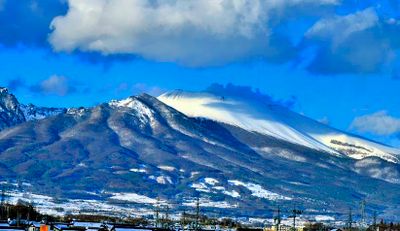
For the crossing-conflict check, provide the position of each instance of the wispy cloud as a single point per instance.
(378, 123)
(55, 84)
(359, 42)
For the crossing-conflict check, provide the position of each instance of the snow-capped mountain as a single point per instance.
(123, 155)
(276, 121)
(12, 112)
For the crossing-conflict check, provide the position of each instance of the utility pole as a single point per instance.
(374, 220)
(167, 215)
(28, 214)
(183, 219)
(8, 211)
(295, 212)
(350, 220)
(362, 208)
(278, 219)
(197, 213)
(3, 195)
(18, 216)
(157, 212)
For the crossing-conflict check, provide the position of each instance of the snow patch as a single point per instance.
(211, 181)
(258, 191)
(141, 170)
(208, 203)
(164, 180)
(133, 197)
(144, 113)
(83, 165)
(320, 218)
(161, 179)
(201, 187)
(32, 112)
(166, 168)
(193, 174)
(232, 193)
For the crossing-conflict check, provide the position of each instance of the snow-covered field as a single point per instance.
(52, 206)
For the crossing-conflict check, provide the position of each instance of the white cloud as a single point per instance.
(379, 123)
(191, 32)
(56, 85)
(339, 28)
(360, 42)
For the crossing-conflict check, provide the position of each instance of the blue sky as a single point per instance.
(336, 60)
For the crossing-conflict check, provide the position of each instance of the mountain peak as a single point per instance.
(254, 115)
(12, 112)
(3, 90)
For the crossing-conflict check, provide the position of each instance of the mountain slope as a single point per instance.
(276, 121)
(133, 151)
(12, 112)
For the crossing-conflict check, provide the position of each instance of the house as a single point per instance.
(37, 226)
(125, 227)
(18, 222)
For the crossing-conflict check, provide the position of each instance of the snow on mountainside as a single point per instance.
(131, 152)
(32, 112)
(276, 121)
(12, 112)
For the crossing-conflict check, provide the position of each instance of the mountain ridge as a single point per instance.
(135, 150)
(12, 112)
